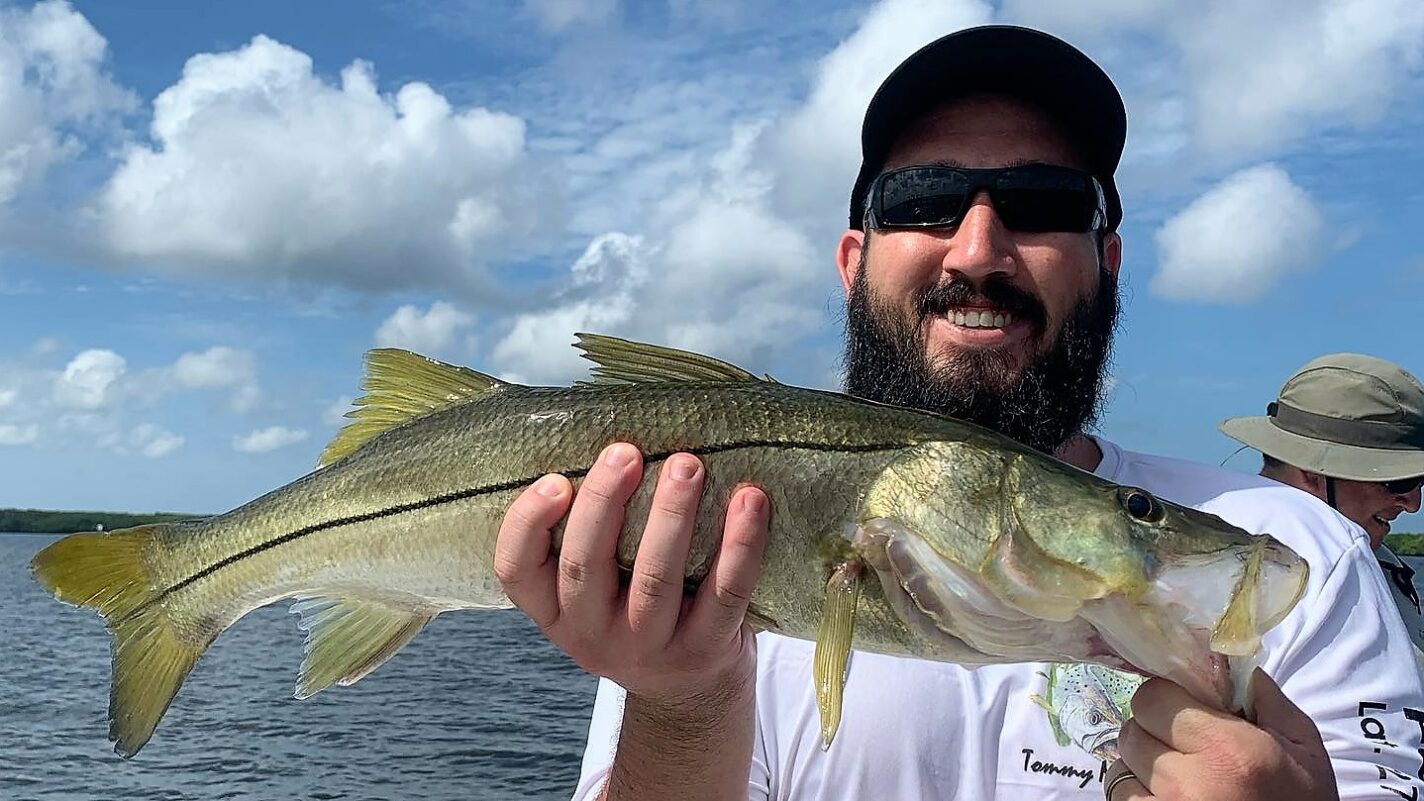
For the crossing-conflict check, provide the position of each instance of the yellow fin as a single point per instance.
(1236, 633)
(347, 638)
(151, 655)
(401, 386)
(833, 638)
(622, 361)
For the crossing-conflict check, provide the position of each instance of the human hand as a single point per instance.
(648, 637)
(1177, 748)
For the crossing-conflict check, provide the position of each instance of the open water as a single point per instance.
(479, 707)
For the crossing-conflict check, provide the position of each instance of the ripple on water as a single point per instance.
(478, 706)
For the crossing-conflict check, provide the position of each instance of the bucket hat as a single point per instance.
(1345, 415)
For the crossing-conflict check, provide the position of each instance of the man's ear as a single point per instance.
(848, 253)
(1111, 251)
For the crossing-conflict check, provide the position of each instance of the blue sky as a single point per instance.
(208, 212)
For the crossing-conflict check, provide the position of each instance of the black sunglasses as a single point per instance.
(1032, 198)
(1402, 486)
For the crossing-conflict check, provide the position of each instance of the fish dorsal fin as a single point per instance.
(349, 638)
(622, 361)
(401, 386)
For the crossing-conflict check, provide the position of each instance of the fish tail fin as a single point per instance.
(110, 574)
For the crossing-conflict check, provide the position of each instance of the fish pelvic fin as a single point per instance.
(621, 361)
(347, 638)
(833, 639)
(150, 654)
(401, 386)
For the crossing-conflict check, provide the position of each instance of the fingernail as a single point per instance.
(549, 486)
(683, 469)
(753, 502)
(618, 455)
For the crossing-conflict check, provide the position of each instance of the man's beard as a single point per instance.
(1056, 395)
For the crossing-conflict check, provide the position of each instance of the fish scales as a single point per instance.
(892, 530)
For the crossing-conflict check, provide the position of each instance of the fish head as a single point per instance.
(1015, 556)
(1090, 720)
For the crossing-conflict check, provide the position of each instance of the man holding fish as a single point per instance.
(980, 264)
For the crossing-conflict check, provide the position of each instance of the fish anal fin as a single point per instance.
(347, 638)
(833, 640)
(401, 386)
(622, 361)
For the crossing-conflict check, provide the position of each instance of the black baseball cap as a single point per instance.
(1002, 59)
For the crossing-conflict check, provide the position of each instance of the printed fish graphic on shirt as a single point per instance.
(1087, 705)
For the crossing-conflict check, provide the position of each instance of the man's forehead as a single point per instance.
(979, 130)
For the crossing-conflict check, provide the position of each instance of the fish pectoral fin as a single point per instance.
(621, 361)
(833, 639)
(348, 638)
(401, 386)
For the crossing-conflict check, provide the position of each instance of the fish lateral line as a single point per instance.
(474, 492)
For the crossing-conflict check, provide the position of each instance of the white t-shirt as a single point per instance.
(1403, 584)
(914, 729)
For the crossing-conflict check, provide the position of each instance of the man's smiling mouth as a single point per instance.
(976, 318)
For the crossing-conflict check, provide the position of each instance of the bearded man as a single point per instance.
(980, 264)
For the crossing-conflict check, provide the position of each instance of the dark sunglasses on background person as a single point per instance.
(1031, 198)
(1403, 486)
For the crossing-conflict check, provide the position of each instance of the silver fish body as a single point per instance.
(892, 530)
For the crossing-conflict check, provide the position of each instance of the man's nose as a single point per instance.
(981, 245)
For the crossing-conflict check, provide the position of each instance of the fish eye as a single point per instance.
(1142, 506)
(1095, 718)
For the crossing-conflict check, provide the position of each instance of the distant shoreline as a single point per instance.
(44, 521)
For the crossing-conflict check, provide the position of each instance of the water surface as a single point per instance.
(479, 707)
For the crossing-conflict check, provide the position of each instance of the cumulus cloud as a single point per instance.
(733, 258)
(154, 442)
(219, 367)
(268, 439)
(815, 151)
(427, 332)
(51, 88)
(261, 168)
(1238, 80)
(12, 434)
(8, 396)
(1239, 239)
(89, 378)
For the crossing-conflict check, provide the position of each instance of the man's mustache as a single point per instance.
(945, 296)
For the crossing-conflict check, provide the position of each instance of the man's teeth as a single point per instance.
(980, 319)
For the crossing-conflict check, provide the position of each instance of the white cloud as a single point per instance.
(262, 169)
(50, 87)
(154, 442)
(8, 396)
(219, 367)
(815, 151)
(335, 414)
(556, 15)
(732, 258)
(427, 333)
(1240, 238)
(88, 379)
(268, 439)
(11, 434)
(1240, 80)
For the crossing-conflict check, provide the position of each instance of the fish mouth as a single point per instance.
(1103, 744)
(1193, 617)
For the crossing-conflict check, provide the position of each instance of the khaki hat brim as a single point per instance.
(1320, 456)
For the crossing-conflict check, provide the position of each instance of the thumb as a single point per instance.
(1277, 713)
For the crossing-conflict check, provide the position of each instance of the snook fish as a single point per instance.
(892, 530)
